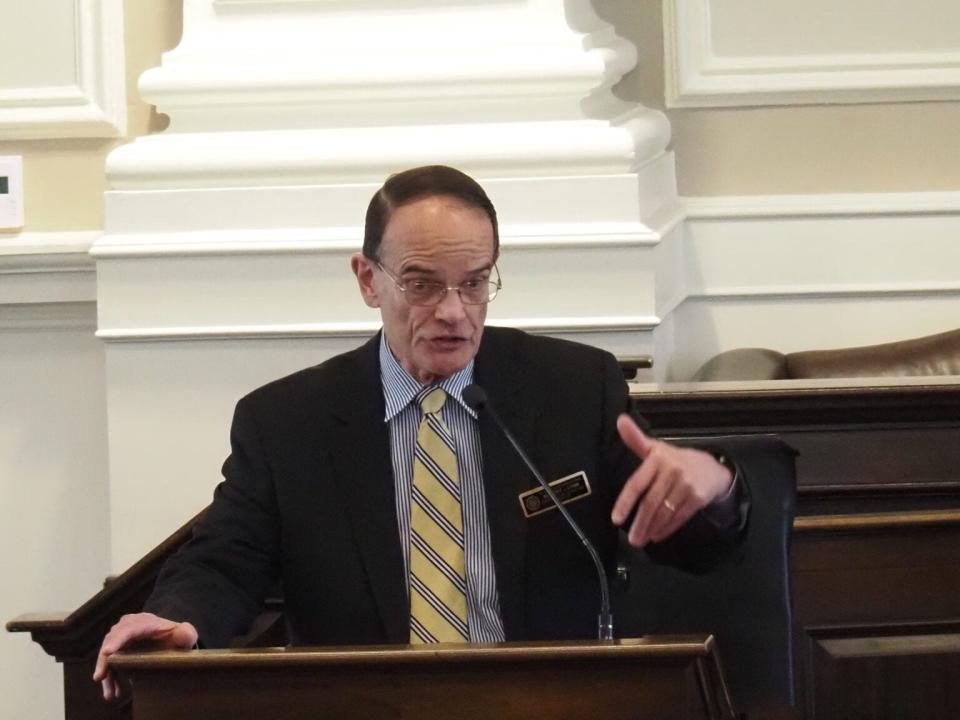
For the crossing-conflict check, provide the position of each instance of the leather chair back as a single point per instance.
(746, 603)
(918, 357)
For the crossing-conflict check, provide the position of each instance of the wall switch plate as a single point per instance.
(11, 192)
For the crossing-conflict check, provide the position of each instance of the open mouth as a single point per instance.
(447, 343)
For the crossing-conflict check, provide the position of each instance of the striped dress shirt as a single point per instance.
(403, 421)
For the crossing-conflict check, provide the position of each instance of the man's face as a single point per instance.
(441, 239)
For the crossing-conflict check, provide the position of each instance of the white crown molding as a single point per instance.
(358, 155)
(256, 66)
(828, 290)
(238, 332)
(47, 269)
(48, 316)
(553, 325)
(907, 237)
(47, 252)
(575, 325)
(96, 105)
(347, 240)
(697, 77)
(846, 247)
(822, 205)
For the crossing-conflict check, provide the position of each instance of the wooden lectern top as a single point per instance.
(655, 677)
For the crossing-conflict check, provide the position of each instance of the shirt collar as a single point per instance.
(400, 387)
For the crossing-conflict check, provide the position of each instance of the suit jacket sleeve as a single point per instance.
(219, 579)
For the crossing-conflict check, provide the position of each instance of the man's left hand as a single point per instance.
(670, 486)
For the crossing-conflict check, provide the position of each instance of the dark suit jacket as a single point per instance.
(308, 498)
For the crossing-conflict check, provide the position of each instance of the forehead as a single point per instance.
(436, 229)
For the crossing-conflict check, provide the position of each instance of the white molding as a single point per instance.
(96, 106)
(285, 241)
(908, 239)
(870, 247)
(828, 290)
(358, 64)
(362, 329)
(354, 155)
(239, 332)
(697, 77)
(556, 325)
(48, 316)
(47, 252)
(47, 269)
(824, 205)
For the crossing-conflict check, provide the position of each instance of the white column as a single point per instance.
(224, 261)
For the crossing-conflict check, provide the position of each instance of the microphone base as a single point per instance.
(605, 626)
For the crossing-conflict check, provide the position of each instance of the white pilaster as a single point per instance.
(225, 257)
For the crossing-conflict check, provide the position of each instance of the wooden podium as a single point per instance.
(644, 679)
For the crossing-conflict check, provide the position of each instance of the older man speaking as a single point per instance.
(390, 512)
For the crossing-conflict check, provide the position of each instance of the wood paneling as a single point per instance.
(876, 545)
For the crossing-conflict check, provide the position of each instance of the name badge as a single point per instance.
(568, 489)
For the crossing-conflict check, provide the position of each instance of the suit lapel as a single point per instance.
(505, 476)
(361, 459)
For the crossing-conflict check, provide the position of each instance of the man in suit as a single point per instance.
(328, 485)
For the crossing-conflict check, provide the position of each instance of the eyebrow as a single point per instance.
(425, 271)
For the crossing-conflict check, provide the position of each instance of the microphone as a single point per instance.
(476, 397)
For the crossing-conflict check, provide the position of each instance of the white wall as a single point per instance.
(815, 272)
(55, 534)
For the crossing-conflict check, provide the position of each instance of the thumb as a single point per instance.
(633, 437)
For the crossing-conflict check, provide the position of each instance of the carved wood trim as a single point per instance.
(783, 405)
(877, 521)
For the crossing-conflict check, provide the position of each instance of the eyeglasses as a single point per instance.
(418, 291)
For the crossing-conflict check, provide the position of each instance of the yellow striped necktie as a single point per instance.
(438, 588)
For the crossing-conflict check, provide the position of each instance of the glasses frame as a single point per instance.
(497, 286)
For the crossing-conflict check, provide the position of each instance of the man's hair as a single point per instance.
(418, 183)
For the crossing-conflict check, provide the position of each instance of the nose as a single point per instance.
(450, 309)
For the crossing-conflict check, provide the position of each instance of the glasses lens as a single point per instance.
(423, 292)
(428, 292)
(474, 292)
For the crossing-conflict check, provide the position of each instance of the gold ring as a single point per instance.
(669, 505)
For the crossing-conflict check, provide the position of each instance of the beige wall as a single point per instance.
(889, 147)
(64, 179)
(894, 147)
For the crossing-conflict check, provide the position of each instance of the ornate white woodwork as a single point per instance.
(46, 269)
(63, 70)
(778, 52)
(230, 232)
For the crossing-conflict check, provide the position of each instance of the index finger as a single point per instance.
(633, 437)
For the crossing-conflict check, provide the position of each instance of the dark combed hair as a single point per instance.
(415, 184)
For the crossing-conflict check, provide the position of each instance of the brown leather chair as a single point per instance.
(931, 355)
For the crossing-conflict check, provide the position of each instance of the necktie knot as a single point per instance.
(431, 399)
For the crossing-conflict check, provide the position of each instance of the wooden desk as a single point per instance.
(876, 549)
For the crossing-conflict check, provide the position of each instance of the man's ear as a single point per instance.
(364, 269)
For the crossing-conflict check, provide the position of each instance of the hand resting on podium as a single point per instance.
(142, 629)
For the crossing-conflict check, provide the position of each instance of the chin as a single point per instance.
(447, 365)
